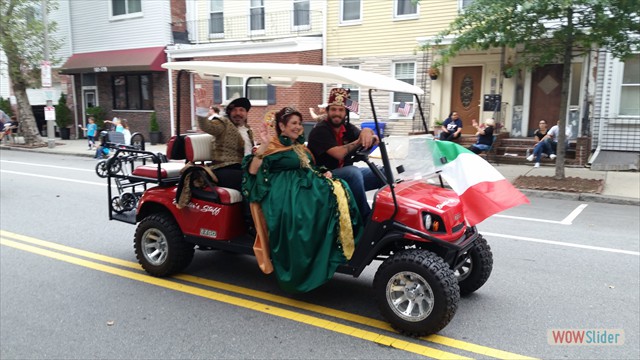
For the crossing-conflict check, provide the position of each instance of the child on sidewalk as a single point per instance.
(91, 129)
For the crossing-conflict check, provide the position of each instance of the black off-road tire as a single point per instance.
(419, 277)
(160, 247)
(477, 267)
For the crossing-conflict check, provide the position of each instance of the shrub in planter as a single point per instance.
(63, 117)
(155, 135)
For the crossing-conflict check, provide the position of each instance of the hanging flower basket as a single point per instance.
(433, 73)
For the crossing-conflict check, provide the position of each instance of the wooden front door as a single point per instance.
(546, 84)
(465, 95)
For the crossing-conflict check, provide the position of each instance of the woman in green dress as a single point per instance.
(307, 222)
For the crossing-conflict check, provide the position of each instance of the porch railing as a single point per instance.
(218, 28)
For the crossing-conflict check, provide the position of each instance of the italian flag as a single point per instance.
(483, 191)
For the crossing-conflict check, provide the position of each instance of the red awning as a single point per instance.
(147, 59)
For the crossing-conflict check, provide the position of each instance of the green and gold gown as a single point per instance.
(312, 222)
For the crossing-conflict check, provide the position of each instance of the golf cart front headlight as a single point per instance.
(426, 218)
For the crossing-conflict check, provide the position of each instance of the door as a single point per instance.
(465, 95)
(89, 99)
(546, 85)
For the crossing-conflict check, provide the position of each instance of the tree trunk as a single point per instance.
(26, 120)
(564, 96)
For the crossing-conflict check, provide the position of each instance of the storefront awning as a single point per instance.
(146, 59)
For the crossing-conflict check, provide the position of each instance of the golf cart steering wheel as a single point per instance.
(359, 154)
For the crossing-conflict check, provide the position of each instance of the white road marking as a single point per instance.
(569, 219)
(54, 178)
(560, 243)
(566, 221)
(528, 219)
(43, 165)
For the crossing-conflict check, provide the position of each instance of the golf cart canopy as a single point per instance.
(287, 74)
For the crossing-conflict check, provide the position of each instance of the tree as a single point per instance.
(546, 32)
(21, 34)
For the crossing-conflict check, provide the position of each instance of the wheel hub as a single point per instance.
(155, 247)
(410, 296)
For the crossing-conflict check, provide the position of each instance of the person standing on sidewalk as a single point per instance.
(91, 129)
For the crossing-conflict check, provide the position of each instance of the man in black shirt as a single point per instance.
(334, 140)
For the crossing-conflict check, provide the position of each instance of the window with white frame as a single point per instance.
(403, 71)
(465, 3)
(216, 18)
(256, 89)
(350, 11)
(301, 14)
(630, 87)
(125, 7)
(354, 91)
(256, 11)
(405, 8)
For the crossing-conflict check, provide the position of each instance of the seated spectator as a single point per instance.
(485, 135)
(452, 127)
(541, 146)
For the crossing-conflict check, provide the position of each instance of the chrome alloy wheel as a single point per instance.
(155, 247)
(410, 296)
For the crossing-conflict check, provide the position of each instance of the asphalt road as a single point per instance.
(70, 288)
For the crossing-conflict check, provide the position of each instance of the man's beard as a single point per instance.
(342, 120)
(238, 120)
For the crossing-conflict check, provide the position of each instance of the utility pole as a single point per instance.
(46, 83)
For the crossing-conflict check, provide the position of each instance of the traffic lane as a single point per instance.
(537, 287)
(597, 224)
(69, 213)
(108, 317)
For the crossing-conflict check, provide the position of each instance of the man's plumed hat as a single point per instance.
(239, 102)
(338, 97)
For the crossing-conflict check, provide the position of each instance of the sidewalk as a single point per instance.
(620, 187)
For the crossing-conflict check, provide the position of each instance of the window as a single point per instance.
(125, 7)
(301, 14)
(216, 18)
(406, 8)
(350, 11)
(465, 3)
(256, 12)
(257, 89)
(630, 87)
(403, 72)
(354, 93)
(132, 92)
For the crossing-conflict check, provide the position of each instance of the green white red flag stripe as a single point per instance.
(483, 191)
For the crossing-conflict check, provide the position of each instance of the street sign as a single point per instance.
(45, 69)
(49, 113)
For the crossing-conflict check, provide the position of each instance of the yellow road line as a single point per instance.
(248, 304)
(438, 339)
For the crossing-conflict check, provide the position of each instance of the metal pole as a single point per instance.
(51, 141)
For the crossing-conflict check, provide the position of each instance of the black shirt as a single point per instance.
(487, 138)
(322, 138)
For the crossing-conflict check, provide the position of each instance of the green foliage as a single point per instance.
(153, 123)
(5, 105)
(63, 113)
(542, 30)
(21, 37)
(98, 114)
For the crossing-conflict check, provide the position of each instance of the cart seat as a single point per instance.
(197, 148)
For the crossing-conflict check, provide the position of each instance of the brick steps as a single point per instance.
(515, 150)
